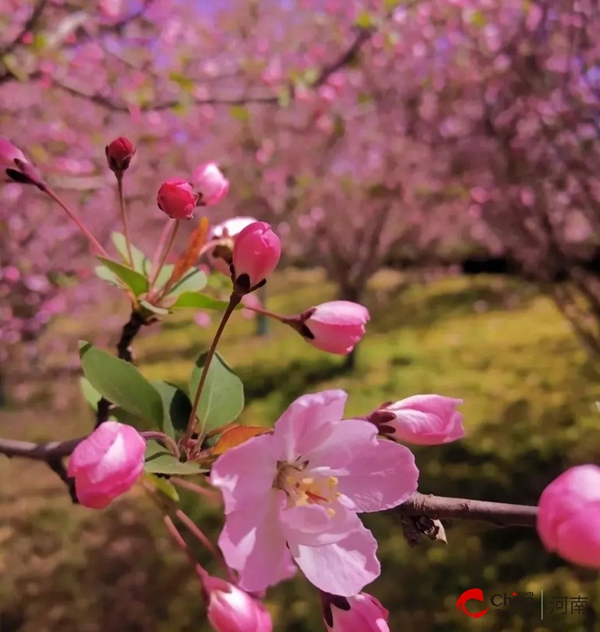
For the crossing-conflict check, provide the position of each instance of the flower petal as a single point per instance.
(316, 525)
(347, 438)
(253, 543)
(343, 568)
(381, 476)
(307, 423)
(245, 474)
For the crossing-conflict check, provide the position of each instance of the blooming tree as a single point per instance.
(292, 494)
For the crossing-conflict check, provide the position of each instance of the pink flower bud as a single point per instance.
(569, 516)
(233, 610)
(335, 326)
(421, 420)
(176, 198)
(256, 253)
(361, 613)
(210, 183)
(223, 235)
(106, 464)
(14, 166)
(119, 154)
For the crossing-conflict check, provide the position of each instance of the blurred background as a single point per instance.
(436, 160)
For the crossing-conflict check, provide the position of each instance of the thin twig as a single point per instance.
(234, 300)
(500, 514)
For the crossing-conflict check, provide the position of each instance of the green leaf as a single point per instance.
(165, 274)
(222, 398)
(177, 408)
(192, 300)
(193, 281)
(140, 263)
(121, 383)
(155, 309)
(125, 417)
(106, 275)
(163, 485)
(92, 396)
(160, 461)
(136, 281)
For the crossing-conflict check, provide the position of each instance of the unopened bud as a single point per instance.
(176, 198)
(119, 154)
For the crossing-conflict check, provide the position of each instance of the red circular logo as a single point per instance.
(468, 595)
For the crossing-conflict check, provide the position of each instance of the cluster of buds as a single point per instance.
(178, 198)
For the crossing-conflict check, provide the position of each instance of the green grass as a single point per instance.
(529, 403)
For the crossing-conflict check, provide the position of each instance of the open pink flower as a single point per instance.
(361, 613)
(569, 516)
(107, 464)
(295, 493)
(233, 610)
(210, 183)
(422, 419)
(336, 326)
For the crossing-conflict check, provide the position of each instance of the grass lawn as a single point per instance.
(529, 403)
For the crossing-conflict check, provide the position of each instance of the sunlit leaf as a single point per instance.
(163, 485)
(158, 460)
(222, 398)
(155, 309)
(193, 281)
(194, 300)
(121, 383)
(136, 281)
(140, 263)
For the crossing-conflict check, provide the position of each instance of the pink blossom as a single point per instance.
(251, 302)
(202, 319)
(336, 326)
(107, 464)
(210, 183)
(119, 154)
(361, 613)
(223, 235)
(295, 494)
(256, 253)
(422, 419)
(233, 610)
(176, 198)
(569, 516)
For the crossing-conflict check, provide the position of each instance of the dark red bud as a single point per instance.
(119, 154)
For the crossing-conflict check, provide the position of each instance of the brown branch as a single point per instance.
(27, 27)
(433, 507)
(347, 57)
(440, 507)
(38, 451)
